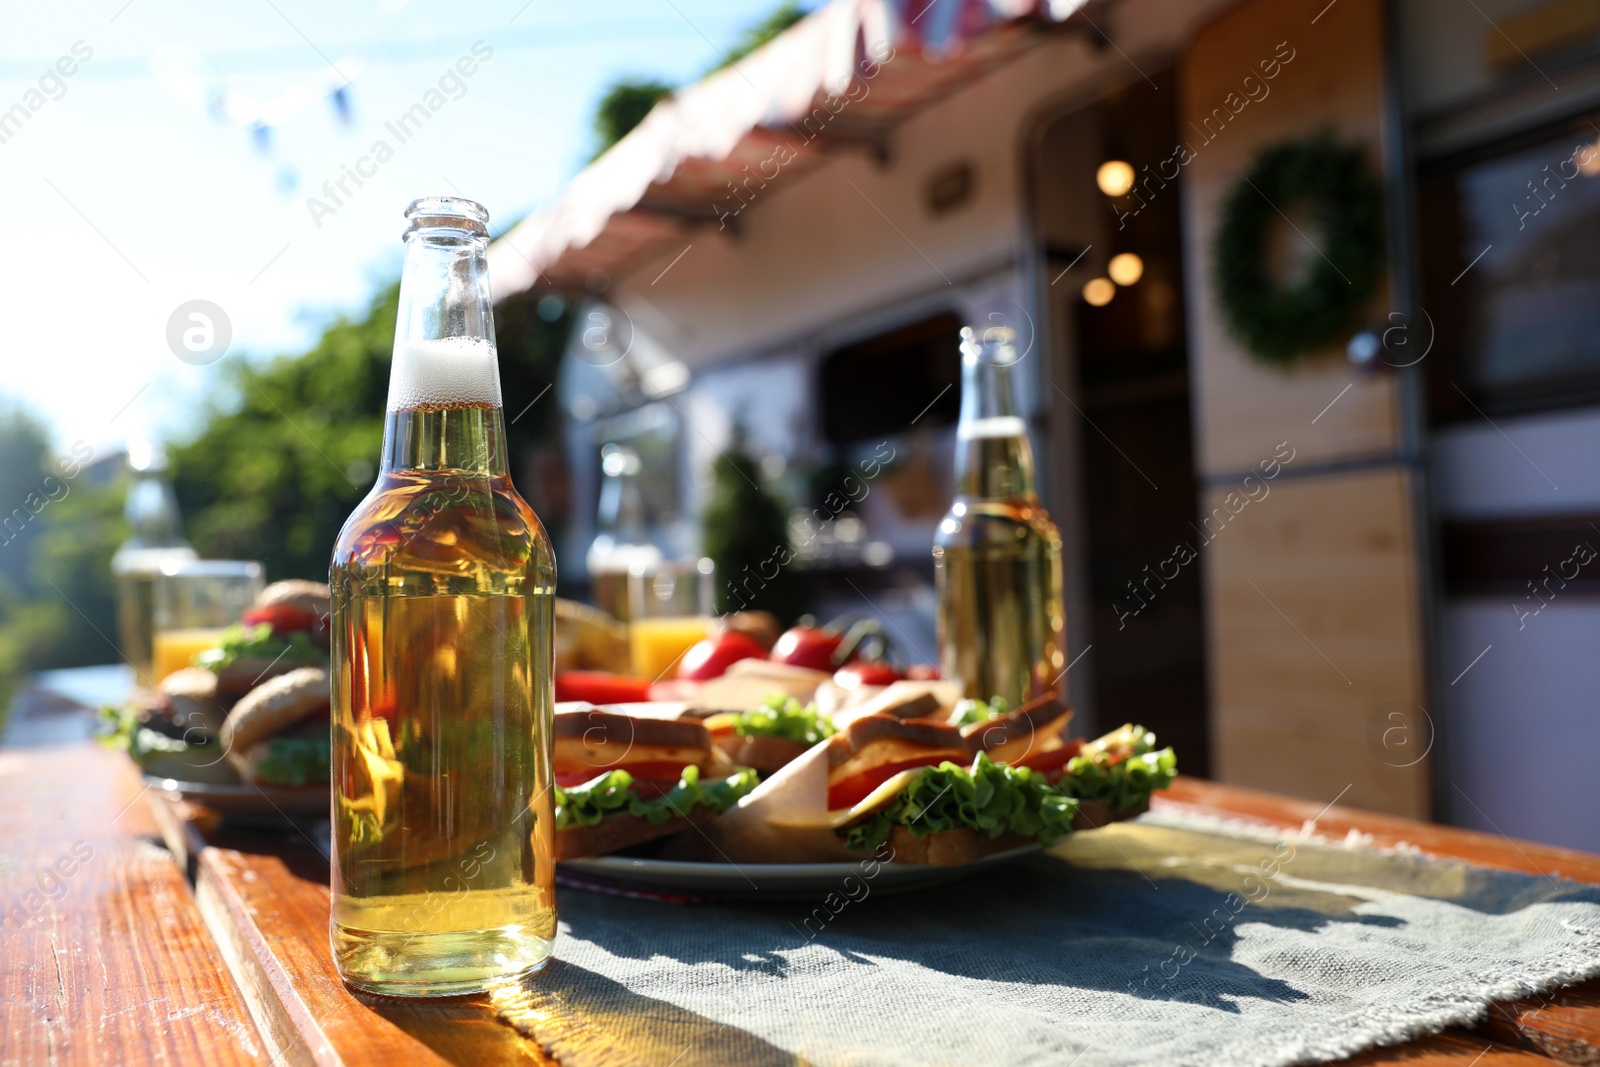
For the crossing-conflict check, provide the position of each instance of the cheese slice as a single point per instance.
(893, 750)
(875, 799)
(796, 797)
(576, 755)
(1046, 738)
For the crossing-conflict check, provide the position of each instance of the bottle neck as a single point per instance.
(152, 512)
(467, 438)
(622, 508)
(994, 460)
(444, 410)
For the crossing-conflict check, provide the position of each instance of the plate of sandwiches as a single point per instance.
(914, 787)
(245, 729)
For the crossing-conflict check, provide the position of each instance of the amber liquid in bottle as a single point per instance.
(443, 642)
(997, 553)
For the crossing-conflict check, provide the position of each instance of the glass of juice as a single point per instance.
(669, 611)
(195, 601)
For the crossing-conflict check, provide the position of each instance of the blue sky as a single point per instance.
(135, 184)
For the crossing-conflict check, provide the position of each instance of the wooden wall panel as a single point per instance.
(1333, 83)
(1313, 618)
(1311, 594)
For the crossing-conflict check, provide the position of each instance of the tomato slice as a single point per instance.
(649, 770)
(1053, 761)
(601, 687)
(856, 788)
(284, 618)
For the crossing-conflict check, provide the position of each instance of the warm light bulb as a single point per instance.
(1114, 177)
(1588, 158)
(1125, 269)
(1098, 292)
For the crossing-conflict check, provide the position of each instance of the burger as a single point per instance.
(286, 628)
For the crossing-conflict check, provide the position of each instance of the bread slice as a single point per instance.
(875, 740)
(1036, 726)
(247, 672)
(761, 751)
(306, 595)
(592, 740)
(622, 830)
(1093, 814)
(950, 848)
(276, 705)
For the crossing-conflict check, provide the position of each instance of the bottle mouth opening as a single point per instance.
(995, 345)
(447, 215)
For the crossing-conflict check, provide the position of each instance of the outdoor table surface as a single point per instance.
(126, 964)
(265, 897)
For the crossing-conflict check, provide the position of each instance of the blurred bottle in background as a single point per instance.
(997, 553)
(155, 537)
(623, 543)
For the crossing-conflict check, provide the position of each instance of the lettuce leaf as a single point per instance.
(609, 794)
(1123, 784)
(296, 761)
(786, 718)
(258, 642)
(120, 727)
(971, 711)
(989, 797)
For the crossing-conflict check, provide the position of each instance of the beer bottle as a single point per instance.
(443, 584)
(997, 554)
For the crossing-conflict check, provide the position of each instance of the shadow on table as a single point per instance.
(579, 1016)
(1038, 922)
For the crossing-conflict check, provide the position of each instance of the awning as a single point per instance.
(844, 76)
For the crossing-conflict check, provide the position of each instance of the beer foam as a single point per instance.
(450, 370)
(993, 426)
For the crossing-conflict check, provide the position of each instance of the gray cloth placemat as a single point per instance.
(1155, 942)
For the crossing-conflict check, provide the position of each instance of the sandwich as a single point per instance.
(286, 628)
(781, 729)
(277, 734)
(189, 730)
(622, 780)
(937, 793)
(173, 732)
(770, 736)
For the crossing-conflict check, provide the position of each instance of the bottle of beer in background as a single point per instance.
(997, 554)
(155, 536)
(443, 593)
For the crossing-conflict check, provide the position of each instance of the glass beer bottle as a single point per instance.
(997, 554)
(443, 646)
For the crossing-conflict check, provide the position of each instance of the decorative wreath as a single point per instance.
(1346, 226)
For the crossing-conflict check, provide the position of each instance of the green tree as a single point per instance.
(24, 447)
(274, 473)
(55, 558)
(745, 531)
(624, 106)
(784, 16)
(626, 103)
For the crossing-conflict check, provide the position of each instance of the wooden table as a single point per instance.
(118, 961)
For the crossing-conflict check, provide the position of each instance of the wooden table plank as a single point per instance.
(106, 957)
(269, 912)
(1564, 1025)
(1449, 1049)
(1200, 797)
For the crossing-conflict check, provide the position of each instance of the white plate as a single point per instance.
(774, 881)
(249, 800)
